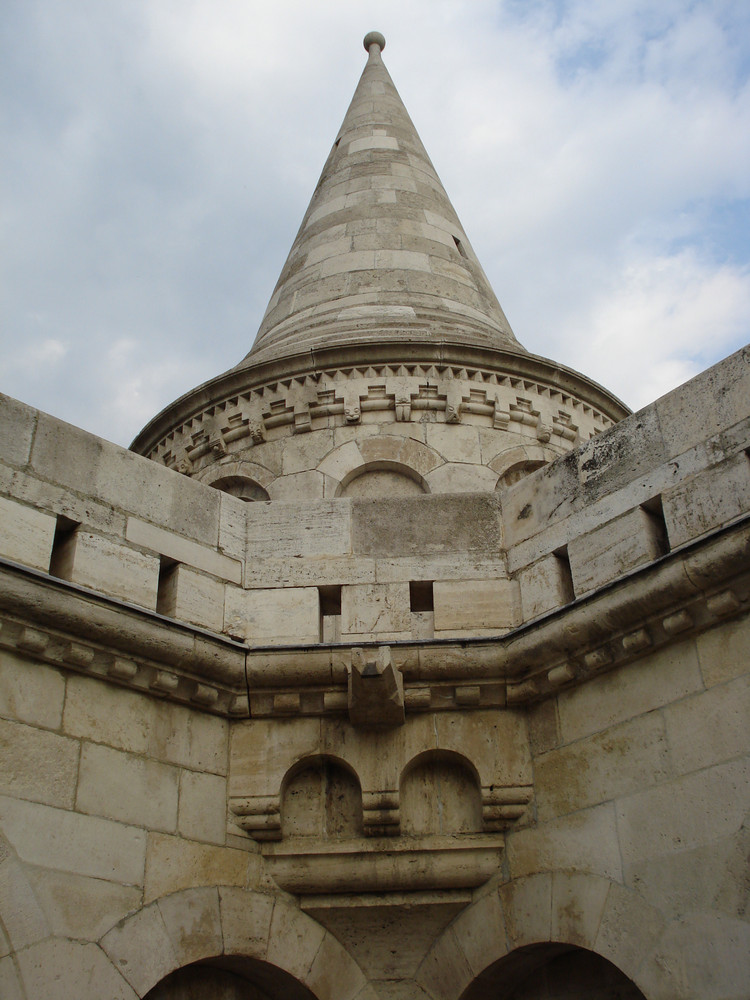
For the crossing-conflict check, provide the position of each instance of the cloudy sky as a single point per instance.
(157, 157)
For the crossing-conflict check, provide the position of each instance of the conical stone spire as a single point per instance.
(380, 255)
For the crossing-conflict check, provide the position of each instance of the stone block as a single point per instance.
(706, 405)
(26, 534)
(23, 919)
(81, 907)
(704, 956)
(604, 554)
(426, 526)
(245, 921)
(141, 949)
(640, 687)
(545, 586)
(707, 500)
(371, 609)
(303, 452)
(621, 760)
(56, 968)
(18, 422)
(193, 923)
(628, 929)
(30, 692)
(445, 971)
(106, 565)
(687, 812)
(455, 443)
(283, 615)
(83, 845)
(192, 597)
(10, 986)
(724, 652)
(469, 604)
(38, 765)
(173, 863)
(582, 841)
(129, 789)
(232, 526)
(294, 940)
(137, 723)
(342, 460)
(300, 487)
(203, 807)
(710, 727)
(480, 931)
(64, 454)
(459, 477)
(183, 550)
(577, 904)
(310, 528)
(527, 906)
(334, 973)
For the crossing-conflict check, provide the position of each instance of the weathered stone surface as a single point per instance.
(37, 765)
(81, 907)
(130, 789)
(272, 617)
(193, 923)
(710, 727)
(30, 692)
(182, 550)
(583, 841)
(203, 807)
(26, 534)
(24, 921)
(83, 845)
(724, 653)
(193, 597)
(112, 568)
(174, 863)
(620, 545)
(707, 500)
(623, 694)
(369, 610)
(71, 969)
(472, 604)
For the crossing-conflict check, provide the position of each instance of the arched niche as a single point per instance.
(514, 465)
(382, 479)
(552, 972)
(241, 487)
(230, 979)
(321, 797)
(440, 795)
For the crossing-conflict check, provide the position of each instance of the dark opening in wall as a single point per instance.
(566, 576)
(329, 599)
(63, 548)
(420, 596)
(166, 594)
(460, 246)
(657, 524)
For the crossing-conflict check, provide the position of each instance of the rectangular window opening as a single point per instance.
(166, 593)
(420, 596)
(460, 246)
(655, 511)
(329, 599)
(63, 547)
(566, 576)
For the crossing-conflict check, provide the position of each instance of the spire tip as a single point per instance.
(374, 38)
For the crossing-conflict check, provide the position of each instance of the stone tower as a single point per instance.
(395, 662)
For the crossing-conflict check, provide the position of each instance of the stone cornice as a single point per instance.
(385, 359)
(681, 594)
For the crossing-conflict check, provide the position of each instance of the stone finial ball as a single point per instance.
(374, 38)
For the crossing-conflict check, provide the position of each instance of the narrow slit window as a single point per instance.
(566, 576)
(329, 599)
(420, 596)
(460, 247)
(166, 594)
(63, 548)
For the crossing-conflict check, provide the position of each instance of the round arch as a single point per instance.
(234, 929)
(553, 912)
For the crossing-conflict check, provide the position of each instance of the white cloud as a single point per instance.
(160, 155)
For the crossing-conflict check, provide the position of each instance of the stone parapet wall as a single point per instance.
(106, 519)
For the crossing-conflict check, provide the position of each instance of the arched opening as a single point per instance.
(241, 487)
(321, 798)
(230, 979)
(517, 472)
(382, 479)
(552, 972)
(440, 795)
